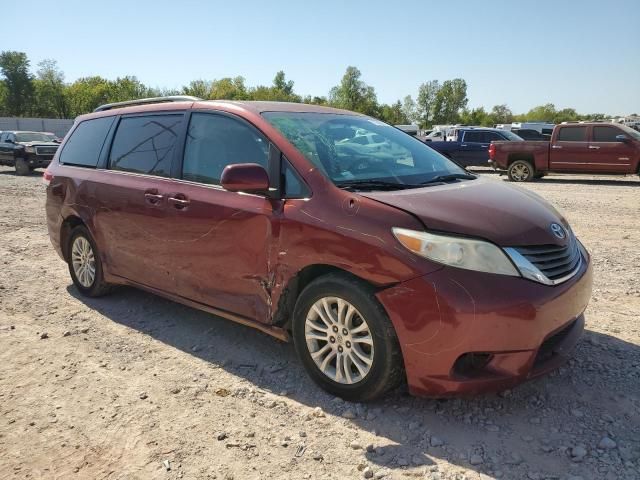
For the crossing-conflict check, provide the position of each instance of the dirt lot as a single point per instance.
(134, 386)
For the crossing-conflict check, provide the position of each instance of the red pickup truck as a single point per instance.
(598, 148)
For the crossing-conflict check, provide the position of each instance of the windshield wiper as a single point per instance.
(450, 177)
(373, 185)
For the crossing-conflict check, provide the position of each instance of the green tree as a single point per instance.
(427, 93)
(18, 83)
(410, 109)
(501, 114)
(394, 114)
(280, 84)
(50, 91)
(128, 88)
(315, 100)
(541, 113)
(476, 116)
(450, 100)
(354, 94)
(280, 91)
(85, 94)
(198, 88)
(229, 89)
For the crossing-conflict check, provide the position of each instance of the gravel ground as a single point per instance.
(134, 386)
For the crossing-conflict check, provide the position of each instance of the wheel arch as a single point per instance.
(283, 314)
(527, 157)
(69, 223)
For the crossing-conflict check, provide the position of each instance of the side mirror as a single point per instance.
(622, 138)
(245, 177)
(9, 140)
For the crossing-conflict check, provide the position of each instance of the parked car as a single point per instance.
(26, 151)
(470, 145)
(574, 148)
(533, 135)
(379, 269)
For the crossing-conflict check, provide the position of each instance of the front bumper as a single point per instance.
(39, 161)
(519, 328)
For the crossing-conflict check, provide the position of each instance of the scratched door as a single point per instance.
(219, 240)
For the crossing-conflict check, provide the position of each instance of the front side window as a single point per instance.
(329, 141)
(145, 144)
(572, 134)
(85, 143)
(605, 134)
(215, 141)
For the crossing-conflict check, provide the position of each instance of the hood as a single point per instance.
(493, 210)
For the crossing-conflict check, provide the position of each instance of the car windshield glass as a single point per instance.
(332, 143)
(630, 131)
(511, 136)
(32, 137)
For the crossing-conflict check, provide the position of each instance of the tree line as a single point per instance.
(46, 94)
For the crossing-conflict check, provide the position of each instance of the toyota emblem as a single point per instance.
(558, 230)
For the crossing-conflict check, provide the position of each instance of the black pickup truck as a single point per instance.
(27, 150)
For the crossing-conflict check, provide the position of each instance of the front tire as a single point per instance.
(345, 339)
(520, 171)
(22, 167)
(84, 263)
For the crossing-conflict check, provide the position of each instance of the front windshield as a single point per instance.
(33, 137)
(512, 136)
(351, 148)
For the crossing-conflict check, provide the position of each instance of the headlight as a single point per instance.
(29, 149)
(457, 252)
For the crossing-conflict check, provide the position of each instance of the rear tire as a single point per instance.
(22, 167)
(345, 339)
(520, 171)
(84, 263)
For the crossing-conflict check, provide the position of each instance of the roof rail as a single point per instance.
(145, 101)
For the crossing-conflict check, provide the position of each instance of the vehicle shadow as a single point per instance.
(611, 181)
(529, 429)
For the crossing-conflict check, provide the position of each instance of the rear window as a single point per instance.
(145, 144)
(85, 143)
(572, 134)
(605, 134)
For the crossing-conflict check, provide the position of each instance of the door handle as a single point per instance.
(153, 197)
(594, 147)
(556, 147)
(464, 145)
(179, 201)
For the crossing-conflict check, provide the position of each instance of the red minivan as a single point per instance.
(383, 261)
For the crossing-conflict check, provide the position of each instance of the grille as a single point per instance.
(552, 260)
(46, 150)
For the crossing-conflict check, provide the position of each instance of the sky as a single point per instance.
(583, 54)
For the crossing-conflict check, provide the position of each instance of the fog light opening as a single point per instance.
(471, 364)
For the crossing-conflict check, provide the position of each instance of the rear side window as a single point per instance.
(572, 134)
(145, 144)
(474, 137)
(215, 141)
(492, 137)
(605, 134)
(85, 143)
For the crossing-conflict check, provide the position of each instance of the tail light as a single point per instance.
(47, 177)
(492, 151)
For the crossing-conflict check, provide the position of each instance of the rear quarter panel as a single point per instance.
(538, 150)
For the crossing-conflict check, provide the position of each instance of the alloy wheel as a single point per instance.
(520, 172)
(339, 340)
(83, 261)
